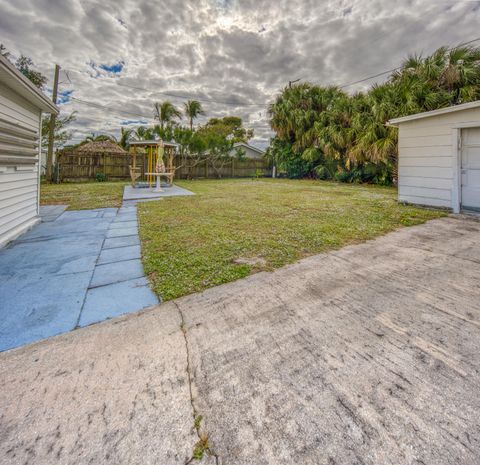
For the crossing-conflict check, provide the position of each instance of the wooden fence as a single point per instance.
(80, 167)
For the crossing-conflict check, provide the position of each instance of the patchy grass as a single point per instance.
(233, 228)
(81, 196)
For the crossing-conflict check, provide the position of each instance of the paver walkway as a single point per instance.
(366, 355)
(74, 269)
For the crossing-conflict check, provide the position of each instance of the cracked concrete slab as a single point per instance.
(114, 393)
(368, 355)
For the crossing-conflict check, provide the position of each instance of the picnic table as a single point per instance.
(158, 187)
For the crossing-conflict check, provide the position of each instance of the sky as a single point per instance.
(119, 57)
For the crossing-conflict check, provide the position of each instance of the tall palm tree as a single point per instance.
(166, 112)
(125, 136)
(193, 109)
(144, 133)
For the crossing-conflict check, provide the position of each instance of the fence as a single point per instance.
(80, 167)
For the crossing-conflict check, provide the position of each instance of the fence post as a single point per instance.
(233, 168)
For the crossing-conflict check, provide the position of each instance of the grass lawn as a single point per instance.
(81, 196)
(233, 228)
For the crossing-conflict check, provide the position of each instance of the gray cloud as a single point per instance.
(241, 51)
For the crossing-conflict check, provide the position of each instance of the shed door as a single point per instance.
(471, 168)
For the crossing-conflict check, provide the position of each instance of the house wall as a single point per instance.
(19, 132)
(427, 161)
(249, 152)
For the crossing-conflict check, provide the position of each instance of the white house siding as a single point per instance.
(427, 157)
(19, 130)
(250, 153)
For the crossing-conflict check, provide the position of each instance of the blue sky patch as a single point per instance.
(133, 121)
(116, 68)
(64, 96)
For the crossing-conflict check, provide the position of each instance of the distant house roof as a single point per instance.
(440, 111)
(247, 145)
(104, 146)
(15, 80)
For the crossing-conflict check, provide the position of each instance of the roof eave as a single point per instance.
(24, 87)
(428, 114)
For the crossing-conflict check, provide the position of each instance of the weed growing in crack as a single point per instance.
(197, 422)
(201, 447)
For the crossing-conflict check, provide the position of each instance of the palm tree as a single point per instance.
(166, 112)
(193, 109)
(125, 136)
(144, 133)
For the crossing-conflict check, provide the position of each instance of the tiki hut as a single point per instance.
(100, 147)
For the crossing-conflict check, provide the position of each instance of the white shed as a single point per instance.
(21, 107)
(439, 157)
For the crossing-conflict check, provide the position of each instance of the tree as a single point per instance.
(193, 109)
(229, 126)
(166, 113)
(61, 132)
(24, 65)
(4, 52)
(125, 136)
(143, 133)
(325, 131)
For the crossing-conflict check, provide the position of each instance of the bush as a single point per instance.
(100, 177)
(323, 173)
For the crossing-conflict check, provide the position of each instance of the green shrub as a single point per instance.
(100, 177)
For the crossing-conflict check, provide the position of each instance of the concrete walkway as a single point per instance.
(367, 355)
(74, 269)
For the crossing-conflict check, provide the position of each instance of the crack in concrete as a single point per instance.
(196, 417)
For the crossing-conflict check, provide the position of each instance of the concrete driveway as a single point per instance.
(366, 355)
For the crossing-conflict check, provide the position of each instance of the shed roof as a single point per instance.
(246, 144)
(147, 143)
(15, 80)
(440, 111)
(104, 146)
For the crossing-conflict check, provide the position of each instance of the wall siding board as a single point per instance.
(426, 162)
(441, 194)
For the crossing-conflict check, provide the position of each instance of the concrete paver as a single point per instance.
(123, 241)
(112, 255)
(115, 272)
(365, 355)
(115, 299)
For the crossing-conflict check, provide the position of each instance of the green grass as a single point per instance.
(81, 196)
(191, 243)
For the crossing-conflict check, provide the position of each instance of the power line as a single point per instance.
(223, 102)
(342, 86)
(187, 97)
(112, 110)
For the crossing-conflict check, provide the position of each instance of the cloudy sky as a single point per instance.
(121, 56)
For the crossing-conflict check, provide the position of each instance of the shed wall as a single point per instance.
(19, 133)
(427, 161)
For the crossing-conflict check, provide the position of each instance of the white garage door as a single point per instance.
(471, 168)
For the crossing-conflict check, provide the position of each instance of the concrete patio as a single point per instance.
(365, 355)
(150, 193)
(74, 269)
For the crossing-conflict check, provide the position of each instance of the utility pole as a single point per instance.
(51, 134)
(293, 82)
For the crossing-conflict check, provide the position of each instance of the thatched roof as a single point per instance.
(104, 146)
